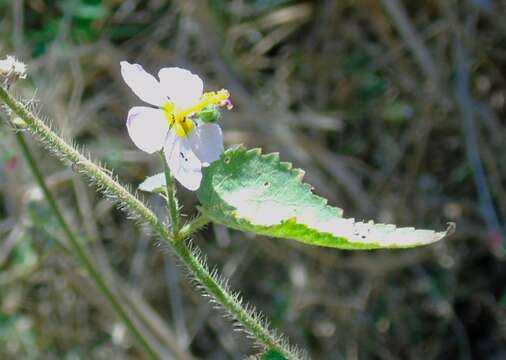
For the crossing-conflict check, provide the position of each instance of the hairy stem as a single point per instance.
(80, 252)
(228, 301)
(194, 225)
(170, 193)
(133, 206)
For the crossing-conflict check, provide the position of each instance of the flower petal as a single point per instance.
(143, 84)
(183, 163)
(207, 142)
(148, 128)
(181, 86)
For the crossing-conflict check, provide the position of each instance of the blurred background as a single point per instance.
(394, 108)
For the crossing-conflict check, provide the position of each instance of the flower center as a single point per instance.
(178, 118)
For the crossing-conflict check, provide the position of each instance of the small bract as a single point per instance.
(172, 125)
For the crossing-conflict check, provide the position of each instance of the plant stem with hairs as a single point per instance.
(249, 320)
(170, 196)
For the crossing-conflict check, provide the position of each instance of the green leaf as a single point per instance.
(257, 193)
(154, 184)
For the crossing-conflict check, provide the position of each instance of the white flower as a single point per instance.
(188, 143)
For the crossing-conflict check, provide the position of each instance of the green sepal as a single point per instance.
(258, 193)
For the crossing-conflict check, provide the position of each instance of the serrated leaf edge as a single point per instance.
(343, 242)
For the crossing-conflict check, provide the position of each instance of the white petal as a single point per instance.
(181, 86)
(207, 142)
(143, 84)
(183, 163)
(147, 127)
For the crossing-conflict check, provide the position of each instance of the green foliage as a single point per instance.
(85, 9)
(370, 86)
(85, 14)
(272, 355)
(25, 257)
(84, 22)
(257, 193)
(17, 336)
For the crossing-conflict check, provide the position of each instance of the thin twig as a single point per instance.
(468, 110)
(412, 39)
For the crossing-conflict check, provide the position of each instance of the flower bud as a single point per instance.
(210, 114)
(12, 69)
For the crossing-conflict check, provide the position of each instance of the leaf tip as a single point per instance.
(273, 157)
(286, 165)
(254, 151)
(450, 230)
(300, 174)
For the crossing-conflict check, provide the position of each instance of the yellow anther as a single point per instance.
(208, 98)
(178, 118)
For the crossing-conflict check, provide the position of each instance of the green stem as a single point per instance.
(230, 302)
(170, 192)
(129, 203)
(80, 252)
(193, 226)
